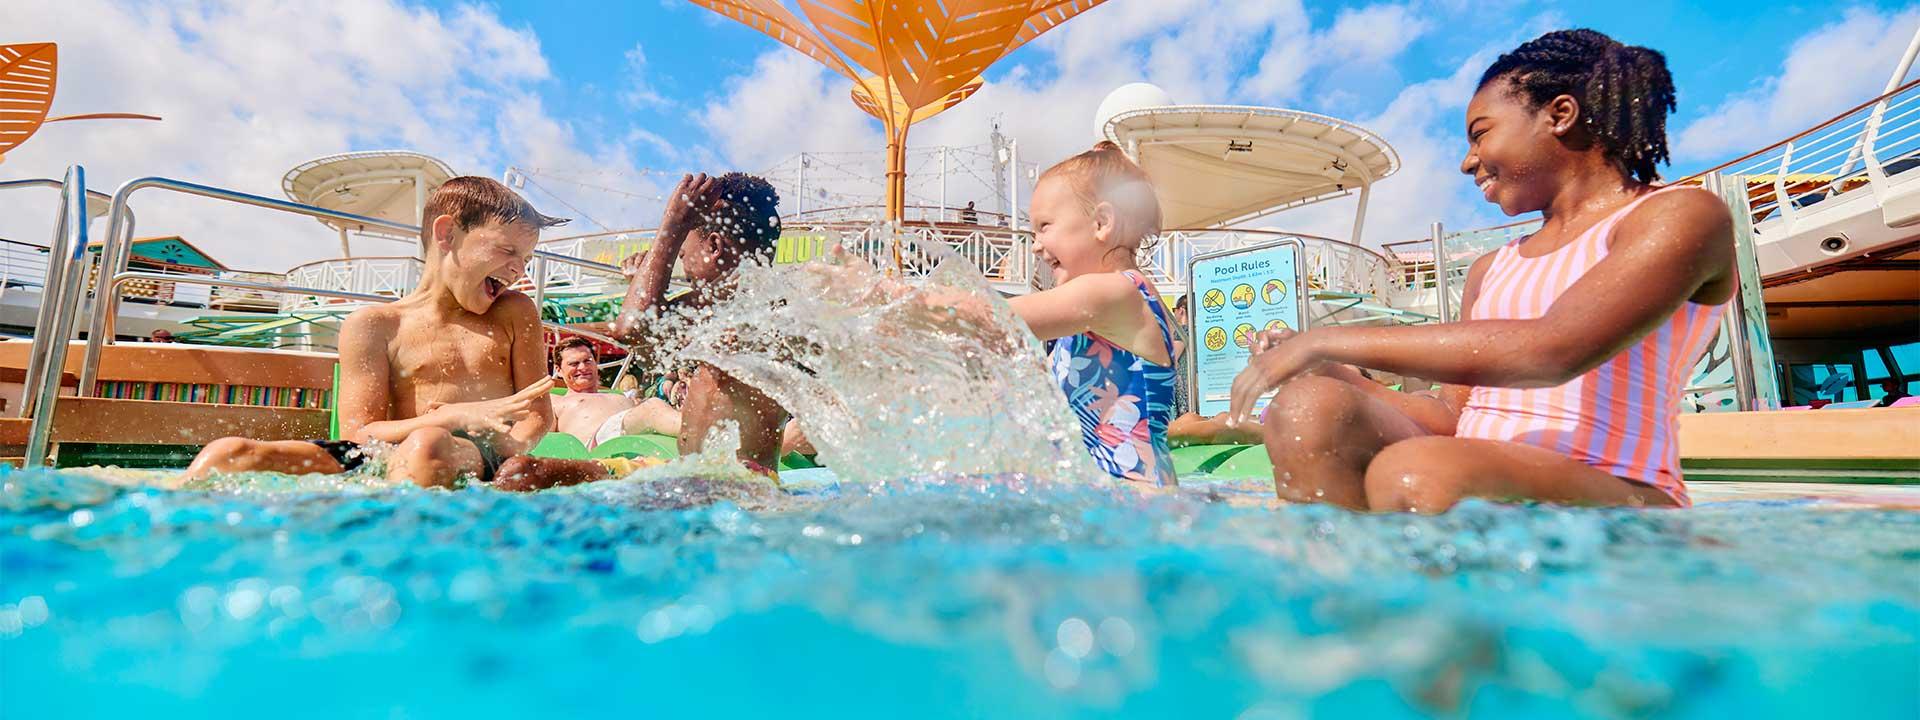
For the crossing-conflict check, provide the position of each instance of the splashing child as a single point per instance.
(1575, 341)
(710, 227)
(453, 375)
(1112, 348)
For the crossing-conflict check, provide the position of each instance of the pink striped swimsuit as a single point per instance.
(1618, 417)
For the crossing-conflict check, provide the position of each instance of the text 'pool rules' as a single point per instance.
(1235, 294)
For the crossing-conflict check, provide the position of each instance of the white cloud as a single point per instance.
(1424, 123)
(1360, 40)
(639, 93)
(1199, 51)
(249, 90)
(1193, 48)
(788, 103)
(1373, 34)
(1828, 70)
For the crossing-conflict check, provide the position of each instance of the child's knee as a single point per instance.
(425, 442)
(424, 458)
(520, 472)
(228, 448)
(1312, 409)
(1408, 476)
(228, 454)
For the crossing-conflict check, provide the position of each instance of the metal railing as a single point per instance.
(114, 257)
(390, 277)
(1003, 257)
(22, 264)
(119, 282)
(913, 214)
(1331, 265)
(1852, 151)
(66, 258)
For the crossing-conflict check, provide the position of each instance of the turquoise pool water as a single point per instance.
(936, 598)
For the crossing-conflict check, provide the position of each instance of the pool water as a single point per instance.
(954, 597)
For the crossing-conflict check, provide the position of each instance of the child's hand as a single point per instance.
(630, 265)
(1268, 339)
(494, 417)
(1279, 356)
(688, 204)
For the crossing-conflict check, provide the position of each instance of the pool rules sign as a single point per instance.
(1233, 295)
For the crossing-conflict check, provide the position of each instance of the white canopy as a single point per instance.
(1220, 164)
(386, 184)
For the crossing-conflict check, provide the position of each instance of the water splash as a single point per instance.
(890, 380)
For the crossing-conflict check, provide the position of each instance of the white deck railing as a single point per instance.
(22, 264)
(1840, 157)
(386, 276)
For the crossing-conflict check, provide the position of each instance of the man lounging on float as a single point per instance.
(596, 417)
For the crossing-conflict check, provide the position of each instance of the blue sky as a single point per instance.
(1714, 49)
(613, 91)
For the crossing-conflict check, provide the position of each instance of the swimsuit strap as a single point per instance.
(1159, 313)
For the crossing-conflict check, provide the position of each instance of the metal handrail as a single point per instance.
(113, 257)
(52, 183)
(114, 288)
(1279, 233)
(291, 270)
(113, 260)
(802, 217)
(1803, 133)
(644, 232)
(48, 355)
(52, 286)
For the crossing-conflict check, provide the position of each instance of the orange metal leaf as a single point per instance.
(1046, 15)
(103, 116)
(27, 74)
(926, 50)
(776, 21)
(863, 96)
(909, 59)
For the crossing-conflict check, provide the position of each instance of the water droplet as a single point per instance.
(1074, 637)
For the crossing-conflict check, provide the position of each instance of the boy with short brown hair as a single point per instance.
(453, 375)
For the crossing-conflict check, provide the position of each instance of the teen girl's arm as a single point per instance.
(1663, 255)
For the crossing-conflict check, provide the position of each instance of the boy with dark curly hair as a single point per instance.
(711, 225)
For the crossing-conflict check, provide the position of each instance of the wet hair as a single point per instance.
(474, 201)
(750, 215)
(1105, 174)
(571, 343)
(1624, 91)
(1181, 303)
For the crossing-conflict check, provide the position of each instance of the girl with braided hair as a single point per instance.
(1564, 371)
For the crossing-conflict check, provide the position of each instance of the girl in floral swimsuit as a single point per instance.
(1112, 348)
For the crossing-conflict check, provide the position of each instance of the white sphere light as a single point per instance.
(1127, 98)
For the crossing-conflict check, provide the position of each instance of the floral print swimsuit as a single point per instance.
(1123, 401)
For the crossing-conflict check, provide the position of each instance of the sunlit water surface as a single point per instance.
(967, 568)
(320, 597)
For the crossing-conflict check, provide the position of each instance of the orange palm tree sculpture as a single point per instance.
(908, 59)
(27, 75)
